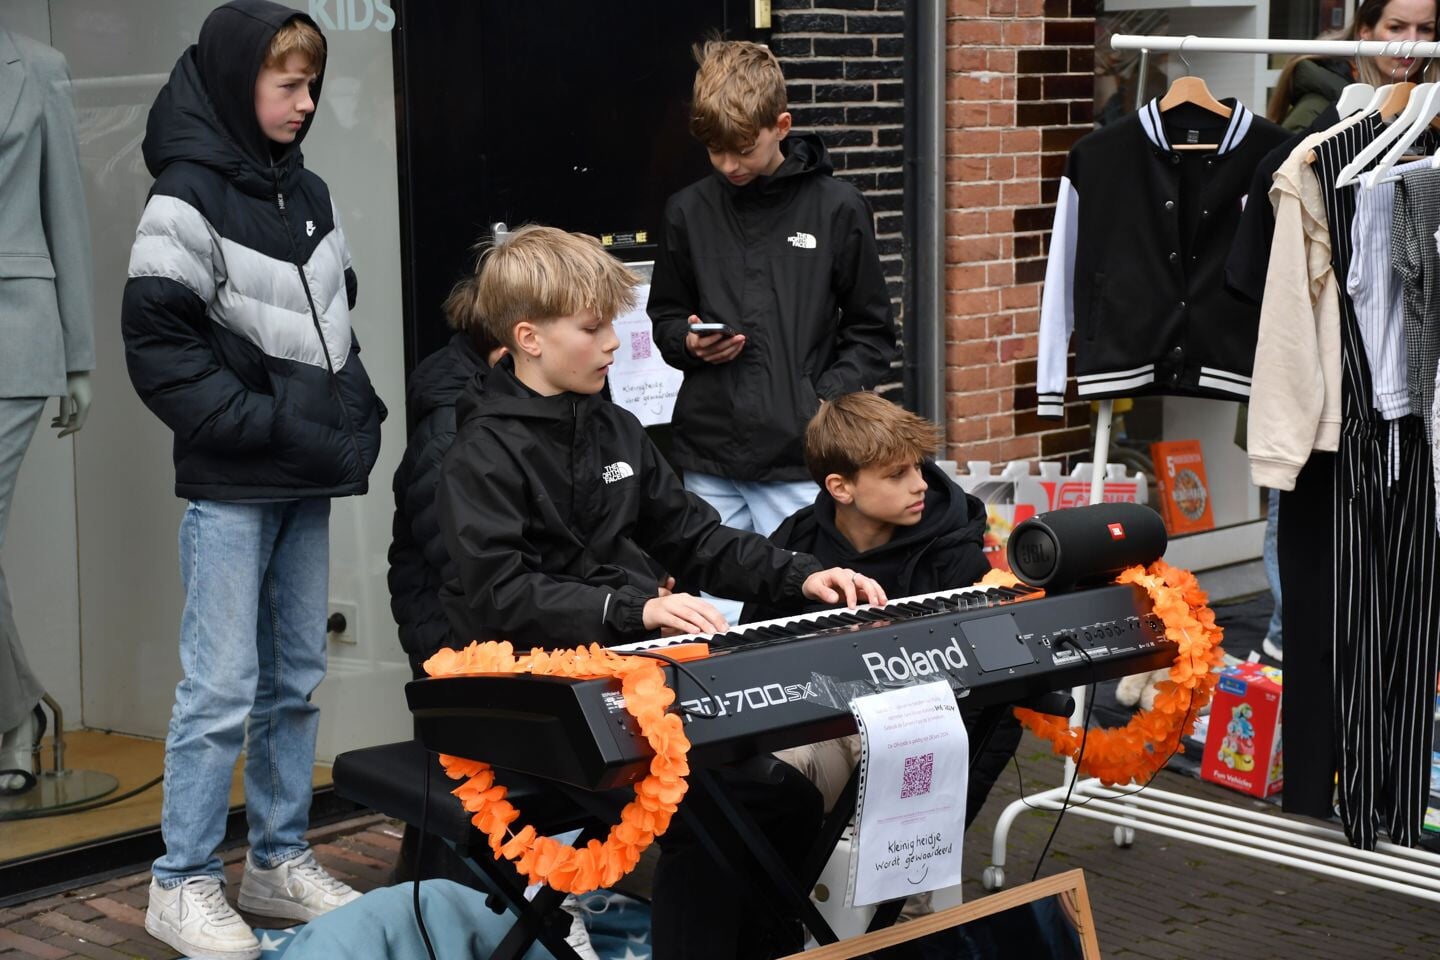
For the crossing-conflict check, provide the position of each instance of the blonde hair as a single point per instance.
(540, 273)
(858, 430)
(739, 91)
(462, 314)
(296, 36)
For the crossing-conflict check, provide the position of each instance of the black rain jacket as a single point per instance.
(562, 519)
(790, 261)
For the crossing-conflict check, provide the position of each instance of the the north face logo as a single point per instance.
(309, 228)
(802, 241)
(618, 470)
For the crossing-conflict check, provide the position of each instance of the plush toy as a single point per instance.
(1140, 688)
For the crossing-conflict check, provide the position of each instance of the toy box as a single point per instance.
(1242, 746)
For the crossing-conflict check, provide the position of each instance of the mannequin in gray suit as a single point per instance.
(46, 346)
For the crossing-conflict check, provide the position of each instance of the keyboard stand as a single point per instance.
(716, 819)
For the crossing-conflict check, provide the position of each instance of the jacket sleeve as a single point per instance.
(67, 230)
(500, 589)
(418, 558)
(1287, 401)
(173, 275)
(685, 534)
(674, 295)
(865, 337)
(1057, 305)
(768, 611)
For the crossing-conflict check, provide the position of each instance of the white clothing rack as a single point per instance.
(1330, 48)
(1263, 836)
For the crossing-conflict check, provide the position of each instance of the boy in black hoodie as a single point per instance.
(784, 256)
(885, 510)
(562, 519)
(236, 319)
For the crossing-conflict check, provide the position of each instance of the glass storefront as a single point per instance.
(91, 551)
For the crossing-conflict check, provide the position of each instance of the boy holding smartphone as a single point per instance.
(783, 254)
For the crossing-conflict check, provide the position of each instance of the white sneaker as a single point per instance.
(1273, 650)
(195, 919)
(579, 935)
(298, 889)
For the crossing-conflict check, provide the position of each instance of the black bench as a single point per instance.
(391, 779)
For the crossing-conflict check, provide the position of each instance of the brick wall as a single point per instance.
(843, 62)
(1019, 92)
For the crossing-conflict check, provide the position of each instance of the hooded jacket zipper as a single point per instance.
(319, 331)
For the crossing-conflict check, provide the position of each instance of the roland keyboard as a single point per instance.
(780, 683)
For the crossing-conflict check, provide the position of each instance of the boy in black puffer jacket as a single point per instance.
(885, 510)
(419, 563)
(236, 319)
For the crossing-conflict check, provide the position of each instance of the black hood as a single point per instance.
(501, 393)
(805, 155)
(205, 113)
(440, 379)
(947, 508)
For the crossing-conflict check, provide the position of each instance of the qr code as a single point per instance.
(918, 771)
(640, 344)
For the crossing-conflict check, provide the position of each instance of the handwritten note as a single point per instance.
(640, 379)
(915, 766)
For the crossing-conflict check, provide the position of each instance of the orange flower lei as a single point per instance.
(1137, 750)
(538, 858)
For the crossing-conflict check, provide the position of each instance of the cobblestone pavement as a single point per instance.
(1157, 900)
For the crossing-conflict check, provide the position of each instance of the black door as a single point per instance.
(565, 112)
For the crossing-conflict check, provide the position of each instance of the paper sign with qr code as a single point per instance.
(914, 769)
(640, 379)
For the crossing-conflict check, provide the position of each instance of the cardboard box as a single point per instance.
(1242, 747)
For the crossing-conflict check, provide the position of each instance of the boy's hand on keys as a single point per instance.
(841, 584)
(714, 347)
(680, 613)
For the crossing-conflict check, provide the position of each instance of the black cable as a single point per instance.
(693, 679)
(78, 807)
(1084, 738)
(420, 854)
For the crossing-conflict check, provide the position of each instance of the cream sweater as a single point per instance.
(1295, 396)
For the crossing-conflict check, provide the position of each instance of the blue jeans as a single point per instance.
(1271, 556)
(252, 645)
(749, 505)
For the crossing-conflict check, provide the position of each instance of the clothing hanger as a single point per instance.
(1192, 90)
(1350, 173)
(1356, 96)
(1401, 92)
(1423, 108)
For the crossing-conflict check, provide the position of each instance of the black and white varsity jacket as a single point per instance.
(1137, 259)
